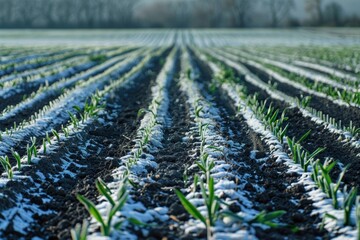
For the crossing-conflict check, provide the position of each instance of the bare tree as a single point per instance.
(161, 13)
(215, 12)
(333, 13)
(279, 10)
(314, 7)
(240, 11)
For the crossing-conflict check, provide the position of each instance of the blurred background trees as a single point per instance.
(175, 13)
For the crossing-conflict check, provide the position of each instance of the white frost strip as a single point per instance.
(328, 70)
(312, 63)
(302, 72)
(57, 111)
(46, 70)
(44, 93)
(21, 215)
(54, 77)
(138, 170)
(37, 63)
(285, 80)
(251, 78)
(275, 94)
(222, 172)
(321, 203)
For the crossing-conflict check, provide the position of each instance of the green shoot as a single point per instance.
(268, 218)
(5, 163)
(349, 202)
(44, 145)
(48, 138)
(17, 157)
(211, 202)
(81, 231)
(326, 215)
(115, 205)
(56, 134)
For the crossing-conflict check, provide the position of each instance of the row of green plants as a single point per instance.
(91, 109)
(280, 58)
(330, 91)
(41, 60)
(341, 57)
(31, 75)
(110, 223)
(216, 209)
(27, 99)
(304, 102)
(351, 128)
(47, 71)
(66, 94)
(320, 172)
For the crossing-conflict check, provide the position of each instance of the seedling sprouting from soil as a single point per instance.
(5, 163)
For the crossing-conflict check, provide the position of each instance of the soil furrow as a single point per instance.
(23, 90)
(172, 161)
(99, 141)
(271, 175)
(19, 139)
(320, 137)
(347, 113)
(51, 95)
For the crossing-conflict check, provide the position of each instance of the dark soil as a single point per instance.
(26, 114)
(270, 175)
(320, 136)
(112, 139)
(172, 161)
(23, 90)
(347, 113)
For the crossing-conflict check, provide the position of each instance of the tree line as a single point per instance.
(168, 13)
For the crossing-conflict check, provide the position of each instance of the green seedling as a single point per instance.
(17, 157)
(65, 131)
(326, 216)
(268, 218)
(31, 150)
(48, 138)
(5, 163)
(116, 205)
(56, 134)
(198, 110)
(80, 232)
(44, 145)
(33, 146)
(211, 202)
(73, 119)
(265, 218)
(349, 203)
(205, 164)
(321, 176)
(98, 58)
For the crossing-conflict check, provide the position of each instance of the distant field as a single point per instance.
(180, 134)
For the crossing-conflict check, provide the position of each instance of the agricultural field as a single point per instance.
(169, 134)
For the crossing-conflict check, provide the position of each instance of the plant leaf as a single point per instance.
(190, 208)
